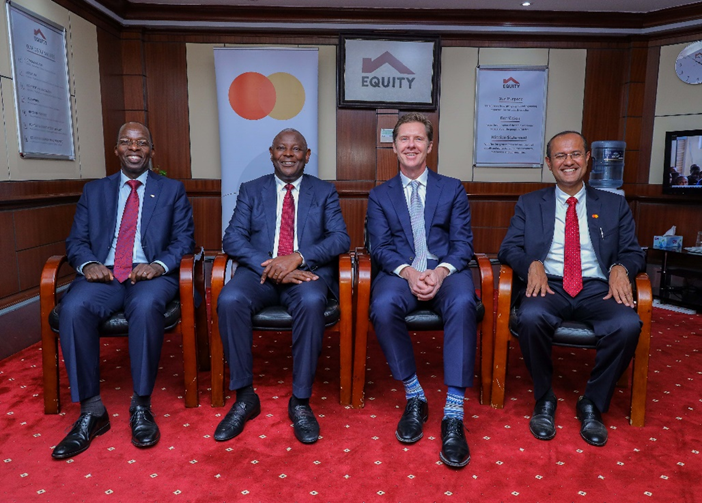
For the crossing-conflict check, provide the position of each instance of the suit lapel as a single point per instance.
(270, 200)
(152, 192)
(594, 210)
(548, 217)
(434, 188)
(111, 199)
(397, 198)
(304, 202)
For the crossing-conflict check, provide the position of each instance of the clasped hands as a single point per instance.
(619, 284)
(285, 270)
(424, 285)
(99, 273)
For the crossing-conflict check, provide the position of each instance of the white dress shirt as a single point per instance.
(280, 191)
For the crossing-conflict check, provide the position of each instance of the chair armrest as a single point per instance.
(486, 328)
(49, 340)
(47, 284)
(502, 336)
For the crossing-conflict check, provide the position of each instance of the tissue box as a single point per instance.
(670, 243)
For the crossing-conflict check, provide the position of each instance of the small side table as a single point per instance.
(684, 265)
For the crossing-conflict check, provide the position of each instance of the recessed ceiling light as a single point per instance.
(526, 4)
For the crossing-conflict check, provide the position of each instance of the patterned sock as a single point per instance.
(454, 403)
(414, 389)
(92, 405)
(141, 401)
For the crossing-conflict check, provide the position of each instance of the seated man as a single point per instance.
(574, 250)
(421, 241)
(130, 232)
(287, 232)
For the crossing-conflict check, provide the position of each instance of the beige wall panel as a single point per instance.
(5, 88)
(507, 175)
(85, 79)
(674, 96)
(508, 56)
(457, 111)
(327, 112)
(202, 106)
(660, 126)
(5, 65)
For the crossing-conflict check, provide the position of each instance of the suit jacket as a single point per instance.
(446, 222)
(610, 224)
(320, 227)
(167, 229)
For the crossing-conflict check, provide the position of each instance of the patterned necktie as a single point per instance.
(572, 269)
(287, 224)
(127, 230)
(417, 219)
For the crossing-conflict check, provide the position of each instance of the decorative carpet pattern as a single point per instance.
(357, 457)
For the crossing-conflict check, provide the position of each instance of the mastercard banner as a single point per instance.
(261, 91)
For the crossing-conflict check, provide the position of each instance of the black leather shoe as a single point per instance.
(144, 428)
(592, 429)
(304, 423)
(416, 413)
(543, 421)
(454, 448)
(82, 433)
(233, 423)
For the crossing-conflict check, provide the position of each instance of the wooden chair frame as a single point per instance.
(344, 327)
(503, 337)
(190, 276)
(363, 325)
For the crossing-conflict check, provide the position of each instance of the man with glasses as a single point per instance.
(574, 252)
(129, 234)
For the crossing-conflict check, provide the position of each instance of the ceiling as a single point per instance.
(640, 6)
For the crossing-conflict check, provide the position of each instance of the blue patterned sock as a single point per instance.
(454, 402)
(414, 389)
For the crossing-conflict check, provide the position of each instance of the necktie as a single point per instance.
(127, 229)
(287, 224)
(572, 270)
(417, 219)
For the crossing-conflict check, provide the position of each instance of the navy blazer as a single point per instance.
(320, 227)
(167, 229)
(610, 224)
(446, 221)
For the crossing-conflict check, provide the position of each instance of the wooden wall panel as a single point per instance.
(40, 226)
(167, 105)
(207, 214)
(8, 256)
(355, 144)
(654, 218)
(354, 211)
(112, 93)
(30, 263)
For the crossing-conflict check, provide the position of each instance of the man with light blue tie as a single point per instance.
(129, 234)
(421, 242)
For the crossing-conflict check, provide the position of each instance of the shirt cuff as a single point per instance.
(399, 269)
(301, 256)
(617, 263)
(451, 269)
(80, 268)
(165, 268)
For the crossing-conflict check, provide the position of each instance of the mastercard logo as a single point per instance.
(254, 96)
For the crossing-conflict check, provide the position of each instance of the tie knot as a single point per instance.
(289, 186)
(134, 184)
(414, 184)
(571, 201)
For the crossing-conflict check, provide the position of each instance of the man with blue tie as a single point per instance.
(421, 243)
(129, 234)
(574, 251)
(286, 233)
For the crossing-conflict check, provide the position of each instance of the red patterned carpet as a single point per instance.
(358, 458)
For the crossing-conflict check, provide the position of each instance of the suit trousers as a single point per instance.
(616, 326)
(87, 304)
(244, 296)
(392, 300)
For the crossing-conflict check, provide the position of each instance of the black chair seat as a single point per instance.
(426, 319)
(116, 325)
(277, 318)
(569, 334)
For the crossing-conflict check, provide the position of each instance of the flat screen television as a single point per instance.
(683, 162)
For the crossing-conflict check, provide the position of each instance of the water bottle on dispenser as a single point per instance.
(607, 165)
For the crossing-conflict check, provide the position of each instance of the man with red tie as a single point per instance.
(286, 233)
(574, 251)
(129, 234)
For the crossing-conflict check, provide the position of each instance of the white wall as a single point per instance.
(86, 108)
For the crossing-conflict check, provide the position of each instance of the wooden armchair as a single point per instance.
(180, 319)
(338, 319)
(422, 320)
(571, 334)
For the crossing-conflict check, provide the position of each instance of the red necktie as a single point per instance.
(572, 269)
(287, 224)
(127, 229)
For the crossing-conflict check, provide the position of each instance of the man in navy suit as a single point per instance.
(164, 233)
(421, 243)
(286, 233)
(609, 257)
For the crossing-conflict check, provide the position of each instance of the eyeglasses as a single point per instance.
(140, 143)
(575, 156)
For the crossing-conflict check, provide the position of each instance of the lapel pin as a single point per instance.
(593, 216)
(155, 196)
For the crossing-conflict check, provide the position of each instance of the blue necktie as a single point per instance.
(417, 219)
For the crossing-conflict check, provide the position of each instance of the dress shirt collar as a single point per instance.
(562, 197)
(142, 178)
(280, 184)
(422, 179)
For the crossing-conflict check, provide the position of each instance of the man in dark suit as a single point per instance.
(130, 231)
(575, 252)
(287, 232)
(421, 243)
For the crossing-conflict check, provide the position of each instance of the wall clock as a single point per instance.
(688, 64)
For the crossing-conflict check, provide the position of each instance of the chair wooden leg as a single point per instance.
(50, 364)
(345, 329)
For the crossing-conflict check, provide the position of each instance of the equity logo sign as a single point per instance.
(39, 37)
(370, 65)
(510, 83)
